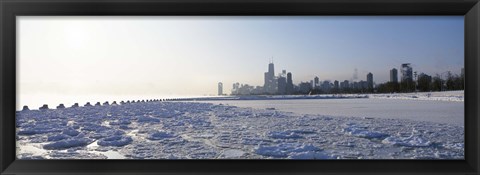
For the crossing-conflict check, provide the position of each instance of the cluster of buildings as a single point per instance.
(282, 84)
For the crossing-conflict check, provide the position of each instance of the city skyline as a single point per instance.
(190, 55)
(282, 84)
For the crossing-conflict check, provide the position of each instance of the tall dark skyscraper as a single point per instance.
(270, 82)
(316, 82)
(282, 85)
(369, 80)
(394, 75)
(289, 87)
(407, 72)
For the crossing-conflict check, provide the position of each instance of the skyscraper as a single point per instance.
(289, 88)
(316, 82)
(345, 84)
(394, 75)
(282, 85)
(270, 83)
(220, 88)
(407, 73)
(336, 84)
(370, 81)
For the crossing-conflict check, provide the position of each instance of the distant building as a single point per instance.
(394, 75)
(326, 86)
(407, 72)
(316, 82)
(336, 85)
(363, 84)
(370, 81)
(270, 83)
(345, 84)
(355, 85)
(282, 85)
(289, 88)
(235, 88)
(220, 88)
(245, 89)
(305, 87)
(25, 108)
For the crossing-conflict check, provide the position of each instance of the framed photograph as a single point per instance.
(193, 87)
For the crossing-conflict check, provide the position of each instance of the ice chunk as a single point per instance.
(272, 151)
(310, 155)
(38, 130)
(61, 106)
(232, 153)
(459, 146)
(69, 143)
(159, 135)
(57, 137)
(70, 132)
(285, 150)
(146, 119)
(44, 107)
(412, 141)
(284, 135)
(361, 132)
(115, 141)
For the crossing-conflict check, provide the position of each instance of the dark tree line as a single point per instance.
(425, 83)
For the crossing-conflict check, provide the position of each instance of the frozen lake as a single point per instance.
(192, 130)
(448, 112)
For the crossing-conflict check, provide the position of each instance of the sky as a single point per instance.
(188, 55)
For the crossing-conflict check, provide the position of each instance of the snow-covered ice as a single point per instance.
(435, 96)
(193, 130)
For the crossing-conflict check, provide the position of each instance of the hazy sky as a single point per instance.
(167, 56)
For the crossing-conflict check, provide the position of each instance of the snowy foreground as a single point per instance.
(190, 130)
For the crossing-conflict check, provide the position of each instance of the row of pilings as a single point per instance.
(114, 103)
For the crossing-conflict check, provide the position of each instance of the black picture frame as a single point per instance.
(9, 9)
